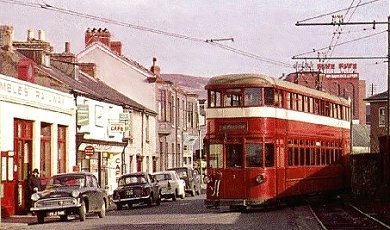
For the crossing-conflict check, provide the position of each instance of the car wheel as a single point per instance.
(158, 201)
(174, 196)
(82, 211)
(64, 217)
(102, 212)
(130, 205)
(192, 191)
(150, 200)
(119, 206)
(41, 217)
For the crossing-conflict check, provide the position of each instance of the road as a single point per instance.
(190, 214)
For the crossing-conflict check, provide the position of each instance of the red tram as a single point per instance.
(269, 139)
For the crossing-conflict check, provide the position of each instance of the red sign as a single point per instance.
(89, 150)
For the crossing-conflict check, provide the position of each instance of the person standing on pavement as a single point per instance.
(33, 186)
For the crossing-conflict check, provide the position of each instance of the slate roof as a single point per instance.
(377, 97)
(94, 88)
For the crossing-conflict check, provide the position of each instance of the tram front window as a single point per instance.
(254, 155)
(216, 156)
(233, 155)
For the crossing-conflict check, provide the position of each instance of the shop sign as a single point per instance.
(116, 127)
(82, 114)
(89, 150)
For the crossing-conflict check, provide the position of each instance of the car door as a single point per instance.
(95, 193)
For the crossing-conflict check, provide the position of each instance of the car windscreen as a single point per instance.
(66, 181)
(132, 179)
(162, 176)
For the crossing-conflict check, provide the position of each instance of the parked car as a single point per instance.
(70, 193)
(191, 177)
(135, 188)
(171, 186)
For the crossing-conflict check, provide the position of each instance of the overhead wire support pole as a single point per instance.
(388, 54)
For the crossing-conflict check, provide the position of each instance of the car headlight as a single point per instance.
(206, 179)
(260, 179)
(75, 193)
(35, 197)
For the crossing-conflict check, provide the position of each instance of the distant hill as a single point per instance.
(191, 83)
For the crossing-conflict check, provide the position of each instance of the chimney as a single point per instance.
(116, 47)
(6, 37)
(88, 68)
(41, 35)
(155, 68)
(100, 35)
(67, 47)
(30, 34)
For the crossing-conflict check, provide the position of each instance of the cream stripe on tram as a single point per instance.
(234, 112)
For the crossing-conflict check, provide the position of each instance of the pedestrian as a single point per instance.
(34, 181)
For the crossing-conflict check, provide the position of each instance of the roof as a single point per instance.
(377, 97)
(93, 88)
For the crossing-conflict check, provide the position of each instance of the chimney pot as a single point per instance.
(30, 34)
(67, 47)
(41, 35)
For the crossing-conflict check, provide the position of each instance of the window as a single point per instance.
(232, 98)
(382, 117)
(269, 155)
(216, 156)
(61, 158)
(269, 96)
(147, 128)
(233, 155)
(252, 97)
(214, 98)
(45, 150)
(254, 155)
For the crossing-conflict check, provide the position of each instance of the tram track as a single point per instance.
(336, 215)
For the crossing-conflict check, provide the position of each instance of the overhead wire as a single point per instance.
(50, 7)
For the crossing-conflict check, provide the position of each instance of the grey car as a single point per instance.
(192, 179)
(70, 193)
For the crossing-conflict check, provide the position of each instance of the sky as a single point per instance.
(264, 32)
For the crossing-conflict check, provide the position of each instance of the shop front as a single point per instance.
(104, 159)
(37, 130)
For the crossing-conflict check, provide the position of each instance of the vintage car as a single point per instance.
(171, 186)
(191, 178)
(70, 193)
(134, 188)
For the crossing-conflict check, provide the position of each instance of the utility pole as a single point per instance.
(383, 140)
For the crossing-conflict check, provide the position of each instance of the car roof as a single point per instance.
(135, 174)
(164, 172)
(74, 173)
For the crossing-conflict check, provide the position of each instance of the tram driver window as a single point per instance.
(233, 155)
(252, 97)
(254, 155)
(269, 155)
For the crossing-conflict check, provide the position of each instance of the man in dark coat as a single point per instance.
(34, 181)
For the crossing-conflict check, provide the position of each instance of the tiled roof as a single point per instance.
(378, 97)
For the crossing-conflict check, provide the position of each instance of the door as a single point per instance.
(233, 178)
(22, 167)
(9, 200)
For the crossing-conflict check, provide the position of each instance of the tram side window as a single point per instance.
(234, 155)
(269, 96)
(216, 156)
(254, 155)
(253, 97)
(269, 155)
(214, 98)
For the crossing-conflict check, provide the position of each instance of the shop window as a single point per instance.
(45, 163)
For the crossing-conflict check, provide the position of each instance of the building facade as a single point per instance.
(135, 82)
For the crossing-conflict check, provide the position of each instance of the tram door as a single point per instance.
(233, 179)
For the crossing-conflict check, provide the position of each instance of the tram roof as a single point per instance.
(246, 79)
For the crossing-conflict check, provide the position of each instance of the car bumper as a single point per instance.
(132, 199)
(55, 204)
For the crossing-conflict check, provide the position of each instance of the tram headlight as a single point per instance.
(260, 179)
